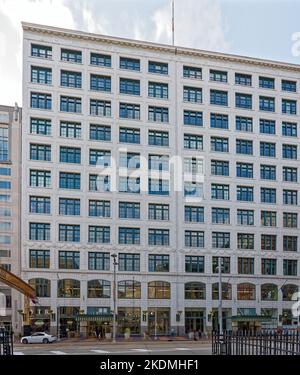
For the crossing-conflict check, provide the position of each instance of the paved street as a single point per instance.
(125, 348)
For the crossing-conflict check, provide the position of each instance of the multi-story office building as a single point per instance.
(95, 105)
(10, 191)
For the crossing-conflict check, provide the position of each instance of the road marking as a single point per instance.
(141, 350)
(184, 348)
(100, 351)
(19, 353)
(57, 352)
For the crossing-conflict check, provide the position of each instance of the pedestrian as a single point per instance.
(195, 335)
(97, 332)
(200, 333)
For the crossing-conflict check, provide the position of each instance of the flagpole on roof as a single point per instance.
(173, 23)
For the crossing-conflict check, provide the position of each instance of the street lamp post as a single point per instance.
(155, 323)
(220, 295)
(115, 263)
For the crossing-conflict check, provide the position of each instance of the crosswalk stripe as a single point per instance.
(140, 350)
(99, 351)
(57, 352)
(19, 353)
(183, 349)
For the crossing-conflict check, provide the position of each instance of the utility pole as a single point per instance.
(220, 295)
(115, 263)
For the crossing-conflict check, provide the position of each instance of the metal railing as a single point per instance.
(256, 343)
(6, 342)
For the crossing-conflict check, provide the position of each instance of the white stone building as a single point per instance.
(89, 99)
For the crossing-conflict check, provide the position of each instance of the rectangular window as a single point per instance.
(130, 111)
(69, 260)
(192, 72)
(192, 94)
(100, 132)
(100, 59)
(289, 106)
(158, 114)
(194, 239)
(41, 101)
(268, 242)
(40, 152)
(99, 234)
(100, 157)
(245, 193)
(243, 79)
(243, 101)
(290, 197)
(193, 165)
(69, 233)
(244, 170)
(158, 90)
(39, 179)
(130, 86)
(220, 215)
(71, 56)
(129, 185)
(158, 138)
(220, 240)
(43, 52)
(290, 174)
(39, 259)
(266, 104)
(218, 121)
(99, 261)
(158, 187)
(5, 184)
(268, 149)
(70, 104)
(289, 129)
(68, 180)
(193, 142)
(159, 263)
(157, 67)
(218, 76)
(219, 144)
(129, 262)
(129, 135)
(290, 220)
(244, 146)
(100, 83)
(100, 108)
(268, 172)
(194, 264)
(225, 264)
(193, 214)
(267, 126)
(39, 232)
(267, 83)
(4, 150)
(246, 266)
(267, 195)
(70, 155)
(68, 206)
(290, 86)
(99, 183)
(41, 75)
(70, 129)
(245, 241)
(219, 168)
(193, 189)
(244, 124)
(129, 210)
(245, 217)
(39, 205)
(218, 97)
(40, 126)
(268, 266)
(158, 162)
(129, 236)
(130, 64)
(99, 209)
(290, 267)
(158, 212)
(70, 79)
(219, 191)
(290, 243)
(192, 118)
(289, 152)
(268, 218)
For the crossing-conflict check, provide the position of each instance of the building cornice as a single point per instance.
(163, 48)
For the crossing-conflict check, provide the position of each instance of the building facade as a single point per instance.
(170, 158)
(10, 193)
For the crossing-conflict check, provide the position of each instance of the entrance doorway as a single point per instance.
(159, 321)
(194, 320)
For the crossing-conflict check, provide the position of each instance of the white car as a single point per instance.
(38, 338)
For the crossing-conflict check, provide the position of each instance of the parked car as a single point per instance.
(38, 338)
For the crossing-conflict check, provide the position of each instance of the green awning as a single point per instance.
(251, 318)
(94, 318)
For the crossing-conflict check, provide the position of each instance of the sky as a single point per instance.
(260, 28)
